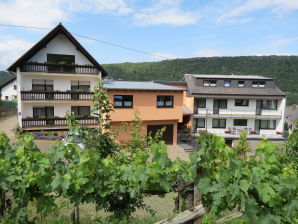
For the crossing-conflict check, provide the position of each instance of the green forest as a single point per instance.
(284, 69)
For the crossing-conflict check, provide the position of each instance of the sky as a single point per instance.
(166, 28)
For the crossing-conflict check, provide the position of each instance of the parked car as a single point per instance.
(76, 138)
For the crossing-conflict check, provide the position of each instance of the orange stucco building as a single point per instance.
(158, 105)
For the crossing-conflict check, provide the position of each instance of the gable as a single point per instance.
(60, 45)
(58, 35)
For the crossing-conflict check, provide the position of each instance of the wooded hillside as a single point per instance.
(283, 68)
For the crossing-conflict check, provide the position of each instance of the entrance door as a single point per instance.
(167, 135)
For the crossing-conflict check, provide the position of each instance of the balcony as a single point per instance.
(59, 68)
(55, 122)
(55, 95)
(217, 112)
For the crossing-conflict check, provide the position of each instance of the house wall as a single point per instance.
(8, 90)
(61, 83)
(124, 136)
(60, 109)
(145, 103)
(242, 112)
(60, 45)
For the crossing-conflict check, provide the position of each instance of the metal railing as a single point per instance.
(233, 112)
(55, 122)
(59, 68)
(55, 95)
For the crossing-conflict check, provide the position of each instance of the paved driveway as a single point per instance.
(9, 123)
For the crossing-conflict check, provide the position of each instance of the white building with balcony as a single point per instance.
(228, 104)
(56, 76)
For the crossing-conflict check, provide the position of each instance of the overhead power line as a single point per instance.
(89, 38)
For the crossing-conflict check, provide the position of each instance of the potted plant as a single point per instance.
(228, 131)
(252, 132)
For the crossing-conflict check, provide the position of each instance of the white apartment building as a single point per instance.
(227, 104)
(56, 76)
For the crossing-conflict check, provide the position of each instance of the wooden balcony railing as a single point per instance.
(55, 95)
(55, 122)
(57, 68)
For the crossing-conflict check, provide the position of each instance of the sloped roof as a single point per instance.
(132, 85)
(6, 77)
(59, 29)
(231, 91)
(216, 76)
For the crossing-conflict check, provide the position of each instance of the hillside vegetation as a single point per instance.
(284, 69)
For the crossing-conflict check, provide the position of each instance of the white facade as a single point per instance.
(9, 91)
(273, 117)
(60, 45)
(45, 97)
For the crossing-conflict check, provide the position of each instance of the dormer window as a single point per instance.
(227, 83)
(241, 83)
(209, 83)
(260, 84)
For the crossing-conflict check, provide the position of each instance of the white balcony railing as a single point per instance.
(236, 113)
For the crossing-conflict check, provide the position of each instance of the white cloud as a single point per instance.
(282, 42)
(277, 6)
(46, 13)
(11, 49)
(208, 52)
(115, 7)
(41, 13)
(166, 12)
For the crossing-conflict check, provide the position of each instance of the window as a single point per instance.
(209, 82)
(220, 104)
(43, 112)
(60, 59)
(219, 123)
(241, 83)
(258, 84)
(80, 85)
(269, 104)
(200, 103)
(83, 111)
(241, 103)
(165, 101)
(15, 87)
(199, 123)
(265, 124)
(240, 122)
(42, 85)
(227, 83)
(123, 101)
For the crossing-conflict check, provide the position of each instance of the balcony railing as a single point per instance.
(55, 122)
(236, 113)
(55, 95)
(58, 68)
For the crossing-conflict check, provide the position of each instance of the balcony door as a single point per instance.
(44, 112)
(61, 63)
(259, 107)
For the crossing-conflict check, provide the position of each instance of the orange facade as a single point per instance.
(145, 102)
